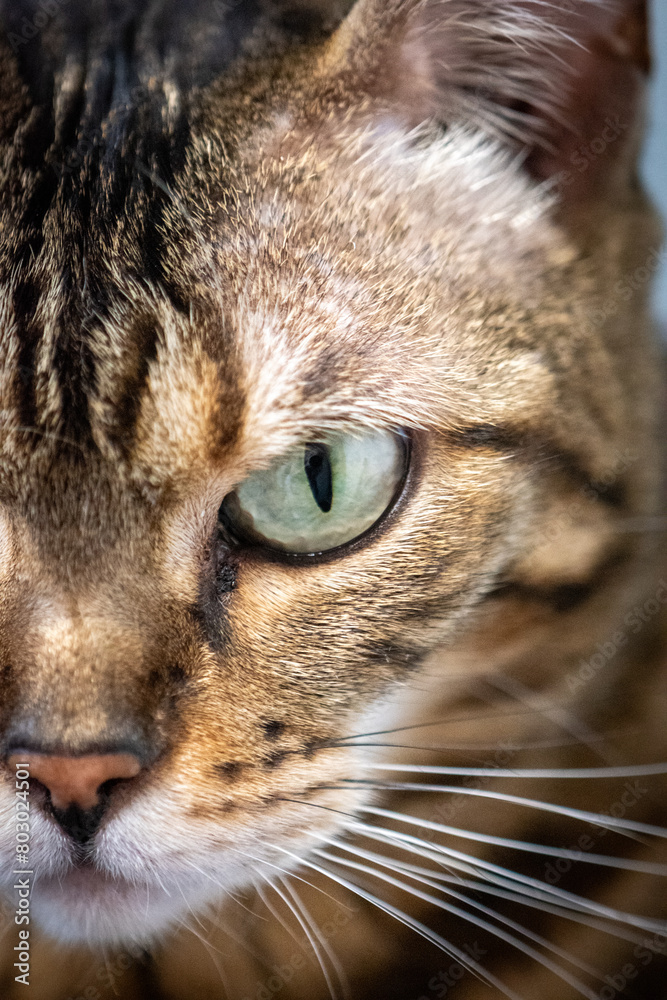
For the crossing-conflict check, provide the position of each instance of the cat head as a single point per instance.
(297, 366)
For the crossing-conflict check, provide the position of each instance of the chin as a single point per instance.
(88, 907)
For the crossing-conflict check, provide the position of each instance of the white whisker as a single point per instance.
(422, 875)
(639, 771)
(468, 917)
(312, 938)
(208, 947)
(534, 900)
(507, 889)
(478, 867)
(331, 954)
(425, 932)
(450, 721)
(628, 864)
(215, 882)
(275, 913)
(469, 749)
(619, 825)
(286, 871)
(485, 869)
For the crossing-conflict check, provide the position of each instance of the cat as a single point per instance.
(332, 506)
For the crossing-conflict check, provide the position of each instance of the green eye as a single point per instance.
(319, 495)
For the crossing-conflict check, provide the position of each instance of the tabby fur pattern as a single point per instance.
(227, 228)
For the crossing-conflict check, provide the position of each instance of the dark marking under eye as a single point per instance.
(318, 469)
(480, 435)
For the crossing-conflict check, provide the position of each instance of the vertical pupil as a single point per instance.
(318, 469)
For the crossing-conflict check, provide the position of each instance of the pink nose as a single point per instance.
(76, 780)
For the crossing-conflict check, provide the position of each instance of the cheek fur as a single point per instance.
(430, 759)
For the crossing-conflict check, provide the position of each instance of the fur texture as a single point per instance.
(229, 231)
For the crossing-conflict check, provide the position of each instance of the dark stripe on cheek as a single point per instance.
(542, 449)
(565, 597)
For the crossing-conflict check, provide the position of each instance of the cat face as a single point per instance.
(328, 265)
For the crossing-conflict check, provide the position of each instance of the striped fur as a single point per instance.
(229, 228)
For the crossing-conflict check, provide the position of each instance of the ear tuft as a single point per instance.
(560, 81)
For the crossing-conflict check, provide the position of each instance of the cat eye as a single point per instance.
(321, 494)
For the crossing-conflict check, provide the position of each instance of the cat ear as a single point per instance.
(560, 80)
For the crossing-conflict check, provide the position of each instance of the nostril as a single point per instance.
(77, 781)
(80, 824)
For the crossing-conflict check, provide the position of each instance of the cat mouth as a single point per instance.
(86, 876)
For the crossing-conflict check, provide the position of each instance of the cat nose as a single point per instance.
(74, 784)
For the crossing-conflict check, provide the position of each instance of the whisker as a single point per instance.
(422, 875)
(241, 940)
(534, 899)
(517, 883)
(469, 748)
(312, 939)
(628, 864)
(155, 874)
(617, 824)
(286, 871)
(466, 916)
(498, 932)
(450, 720)
(50, 435)
(468, 862)
(446, 946)
(275, 913)
(111, 978)
(487, 870)
(331, 954)
(631, 771)
(215, 882)
(213, 953)
(193, 915)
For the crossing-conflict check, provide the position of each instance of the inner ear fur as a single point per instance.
(560, 81)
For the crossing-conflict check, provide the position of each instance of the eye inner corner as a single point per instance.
(317, 464)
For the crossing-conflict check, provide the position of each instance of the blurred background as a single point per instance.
(655, 158)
